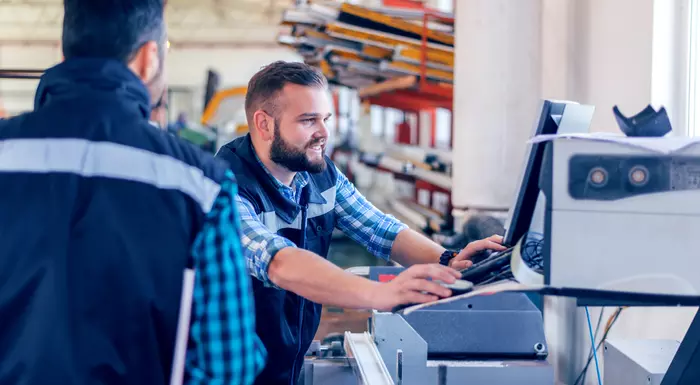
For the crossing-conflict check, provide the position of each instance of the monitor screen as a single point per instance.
(555, 117)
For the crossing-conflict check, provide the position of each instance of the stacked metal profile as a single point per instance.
(362, 47)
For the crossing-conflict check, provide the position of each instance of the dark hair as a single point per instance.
(113, 29)
(264, 86)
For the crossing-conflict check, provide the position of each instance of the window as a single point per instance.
(694, 67)
(443, 128)
(392, 117)
(376, 114)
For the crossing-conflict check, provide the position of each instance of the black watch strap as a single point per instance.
(446, 256)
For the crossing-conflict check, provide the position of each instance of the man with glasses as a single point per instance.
(101, 214)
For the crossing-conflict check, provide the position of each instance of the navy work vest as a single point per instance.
(98, 212)
(286, 322)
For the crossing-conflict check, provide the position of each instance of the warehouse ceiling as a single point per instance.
(190, 22)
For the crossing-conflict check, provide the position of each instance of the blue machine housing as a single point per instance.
(499, 326)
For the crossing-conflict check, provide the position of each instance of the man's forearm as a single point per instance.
(314, 278)
(411, 248)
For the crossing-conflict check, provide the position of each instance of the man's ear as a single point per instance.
(265, 125)
(146, 62)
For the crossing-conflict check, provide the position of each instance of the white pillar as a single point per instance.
(670, 60)
(497, 91)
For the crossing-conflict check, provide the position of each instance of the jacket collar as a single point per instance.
(80, 76)
(285, 209)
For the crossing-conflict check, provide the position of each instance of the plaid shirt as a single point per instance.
(355, 216)
(223, 346)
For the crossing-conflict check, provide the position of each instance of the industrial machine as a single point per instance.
(619, 217)
(644, 192)
(497, 339)
(621, 220)
(619, 223)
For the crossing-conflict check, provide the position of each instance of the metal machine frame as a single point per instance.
(405, 354)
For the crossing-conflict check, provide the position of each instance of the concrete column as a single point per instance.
(497, 91)
(559, 48)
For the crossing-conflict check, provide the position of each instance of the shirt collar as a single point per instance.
(300, 180)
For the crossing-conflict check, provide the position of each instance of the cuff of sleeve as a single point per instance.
(272, 248)
(394, 230)
(384, 239)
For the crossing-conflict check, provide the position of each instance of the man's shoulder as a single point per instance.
(28, 125)
(231, 150)
(8, 125)
(167, 144)
(231, 155)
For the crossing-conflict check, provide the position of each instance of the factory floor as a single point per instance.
(345, 253)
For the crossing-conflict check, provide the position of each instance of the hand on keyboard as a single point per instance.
(463, 259)
(495, 266)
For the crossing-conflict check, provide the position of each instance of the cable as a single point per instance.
(595, 337)
(595, 351)
(531, 251)
(611, 321)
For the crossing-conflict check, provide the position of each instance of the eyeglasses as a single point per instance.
(162, 102)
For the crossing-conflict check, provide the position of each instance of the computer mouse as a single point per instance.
(459, 286)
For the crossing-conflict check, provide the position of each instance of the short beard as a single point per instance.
(157, 87)
(291, 158)
(158, 90)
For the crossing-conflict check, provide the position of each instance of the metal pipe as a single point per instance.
(174, 44)
(16, 73)
(21, 70)
(10, 76)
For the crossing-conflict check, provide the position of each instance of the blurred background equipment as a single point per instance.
(392, 63)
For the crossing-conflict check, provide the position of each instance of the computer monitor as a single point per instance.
(554, 117)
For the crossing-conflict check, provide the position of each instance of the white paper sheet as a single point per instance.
(663, 145)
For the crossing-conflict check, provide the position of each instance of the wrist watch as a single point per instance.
(446, 256)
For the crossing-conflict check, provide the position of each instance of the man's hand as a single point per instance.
(462, 260)
(412, 286)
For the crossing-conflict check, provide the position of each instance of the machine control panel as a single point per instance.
(611, 177)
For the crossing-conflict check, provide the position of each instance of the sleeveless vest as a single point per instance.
(286, 322)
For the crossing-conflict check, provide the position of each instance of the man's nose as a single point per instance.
(322, 131)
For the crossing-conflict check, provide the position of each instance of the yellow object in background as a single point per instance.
(222, 102)
(241, 129)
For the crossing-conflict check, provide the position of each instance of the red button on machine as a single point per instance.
(386, 277)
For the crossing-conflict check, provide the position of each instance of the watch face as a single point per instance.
(446, 257)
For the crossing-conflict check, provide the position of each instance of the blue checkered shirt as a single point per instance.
(223, 346)
(355, 216)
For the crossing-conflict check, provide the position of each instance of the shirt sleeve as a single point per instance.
(259, 243)
(363, 222)
(223, 346)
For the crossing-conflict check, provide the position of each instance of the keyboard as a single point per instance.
(494, 267)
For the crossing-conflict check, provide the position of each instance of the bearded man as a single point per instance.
(291, 197)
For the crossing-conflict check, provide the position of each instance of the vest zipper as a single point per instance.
(302, 245)
(301, 324)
